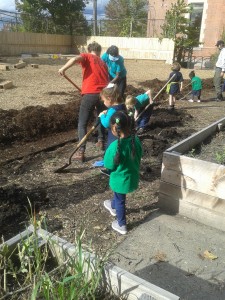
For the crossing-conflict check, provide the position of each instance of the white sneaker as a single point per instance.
(107, 204)
(198, 100)
(121, 229)
(191, 100)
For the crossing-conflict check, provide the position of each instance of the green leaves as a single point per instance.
(53, 16)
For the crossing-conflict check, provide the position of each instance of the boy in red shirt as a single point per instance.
(95, 78)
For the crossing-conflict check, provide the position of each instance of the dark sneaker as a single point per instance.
(105, 172)
(100, 145)
(79, 156)
(108, 205)
(121, 229)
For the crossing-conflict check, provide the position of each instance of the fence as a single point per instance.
(17, 43)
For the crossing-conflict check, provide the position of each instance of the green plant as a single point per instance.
(192, 152)
(220, 157)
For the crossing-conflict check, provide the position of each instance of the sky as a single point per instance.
(10, 6)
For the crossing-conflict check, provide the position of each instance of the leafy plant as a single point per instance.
(220, 157)
(181, 30)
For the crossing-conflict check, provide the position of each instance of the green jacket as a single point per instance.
(124, 178)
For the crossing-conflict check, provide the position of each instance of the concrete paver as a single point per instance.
(168, 251)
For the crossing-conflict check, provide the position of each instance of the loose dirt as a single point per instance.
(38, 119)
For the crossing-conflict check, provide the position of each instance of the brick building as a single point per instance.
(211, 12)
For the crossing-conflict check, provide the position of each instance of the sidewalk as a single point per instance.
(168, 251)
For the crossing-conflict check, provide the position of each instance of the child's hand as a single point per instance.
(102, 113)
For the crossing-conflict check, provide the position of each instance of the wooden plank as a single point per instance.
(20, 65)
(198, 175)
(200, 199)
(192, 211)
(34, 66)
(4, 67)
(6, 85)
(195, 139)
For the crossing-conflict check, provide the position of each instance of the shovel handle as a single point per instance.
(150, 104)
(84, 139)
(77, 87)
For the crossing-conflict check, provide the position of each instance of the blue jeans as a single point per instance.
(118, 203)
(88, 104)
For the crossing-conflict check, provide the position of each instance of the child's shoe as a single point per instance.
(121, 229)
(191, 100)
(108, 205)
(198, 100)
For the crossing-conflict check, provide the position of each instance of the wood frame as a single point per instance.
(192, 187)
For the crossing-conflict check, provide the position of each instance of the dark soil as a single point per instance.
(35, 141)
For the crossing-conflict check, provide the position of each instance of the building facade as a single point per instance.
(211, 13)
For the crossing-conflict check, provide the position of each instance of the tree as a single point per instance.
(181, 30)
(53, 16)
(126, 17)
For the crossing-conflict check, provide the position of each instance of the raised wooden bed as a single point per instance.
(115, 279)
(192, 187)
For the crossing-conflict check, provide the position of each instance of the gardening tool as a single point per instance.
(77, 87)
(151, 104)
(185, 96)
(78, 146)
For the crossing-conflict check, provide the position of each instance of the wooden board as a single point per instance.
(189, 173)
(172, 193)
(200, 214)
(20, 65)
(189, 143)
(6, 85)
(4, 67)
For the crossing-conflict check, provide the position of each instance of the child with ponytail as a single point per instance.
(122, 158)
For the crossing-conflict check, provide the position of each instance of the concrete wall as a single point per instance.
(136, 48)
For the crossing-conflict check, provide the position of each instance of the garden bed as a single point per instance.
(113, 281)
(193, 187)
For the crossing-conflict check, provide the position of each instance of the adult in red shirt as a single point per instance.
(95, 78)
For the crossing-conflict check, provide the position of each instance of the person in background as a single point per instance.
(219, 71)
(176, 85)
(196, 84)
(95, 78)
(138, 104)
(122, 158)
(116, 68)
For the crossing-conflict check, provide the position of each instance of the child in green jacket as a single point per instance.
(122, 158)
(196, 84)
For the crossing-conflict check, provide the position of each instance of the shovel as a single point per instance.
(59, 170)
(151, 104)
(77, 87)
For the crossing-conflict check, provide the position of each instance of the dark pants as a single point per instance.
(118, 203)
(122, 84)
(218, 80)
(88, 104)
(142, 122)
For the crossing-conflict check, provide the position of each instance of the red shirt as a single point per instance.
(95, 74)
